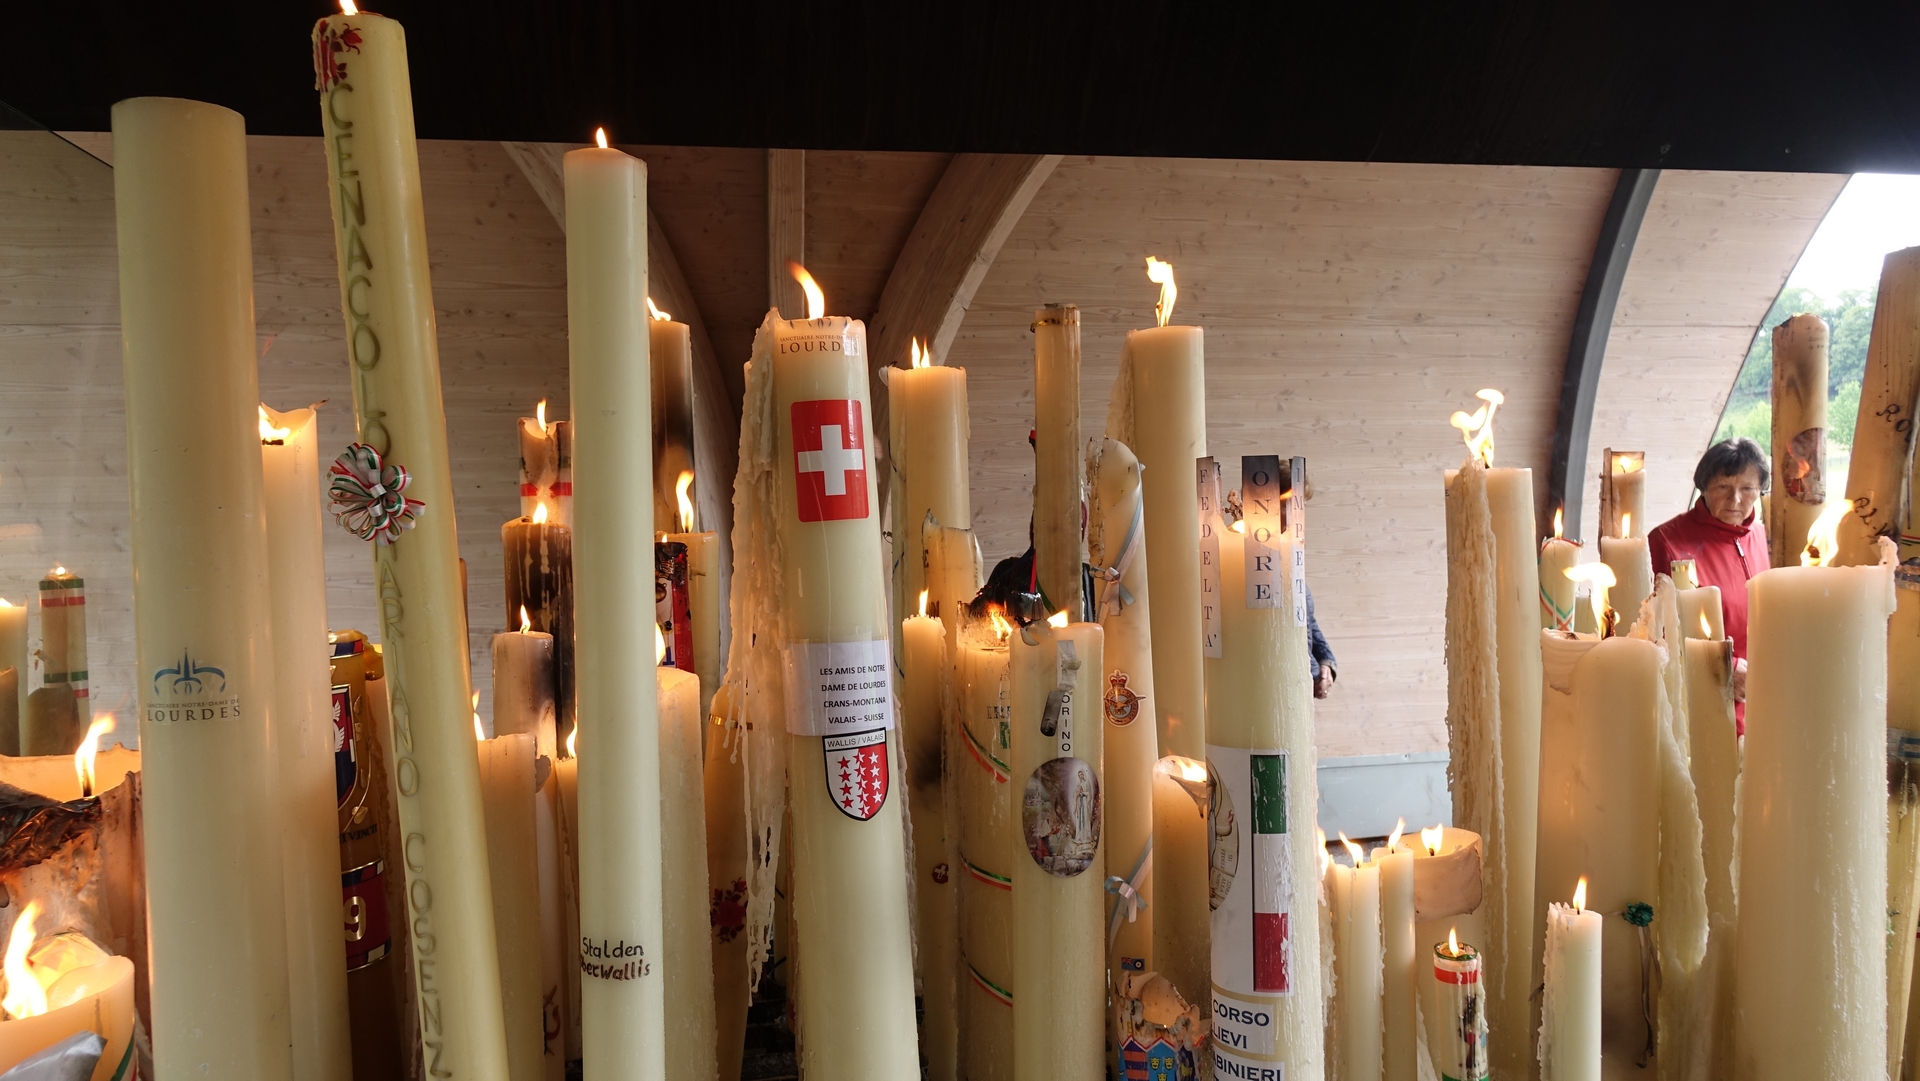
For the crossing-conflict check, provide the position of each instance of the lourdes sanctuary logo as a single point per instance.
(188, 690)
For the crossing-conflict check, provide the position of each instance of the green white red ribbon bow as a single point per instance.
(368, 496)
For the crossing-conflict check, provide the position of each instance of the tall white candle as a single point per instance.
(303, 742)
(214, 886)
(1714, 754)
(1400, 978)
(922, 690)
(691, 1017)
(506, 787)
(380, 243)
(1570, 1011)
(1813, 850)
(622, 986)
(1357, 968)
(988, 839)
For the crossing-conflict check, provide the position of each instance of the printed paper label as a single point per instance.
(1260, 497)
(1253, 919)
(1207, 481)
(829, 460)
(839, 687)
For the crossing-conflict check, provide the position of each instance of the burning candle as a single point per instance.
(60, 986)
(538, 555)
(922, 691)
(13, 654)
(546, 465)
(1701, 615)
(1570, 1013)
(1355, 900)
(523, 693)
(1400, 979)
(988, 841)
(670, 358)
(214, 883)
(506, 765)
(303, 743)
(927, 418)
(1182, 842)
(1557, 555)
(1623, 532)
(380, 239)
(1457, 1027)
(703, 589)
(1812, 798)
(683, 853)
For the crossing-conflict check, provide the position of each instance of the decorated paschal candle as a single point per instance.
(1266, 941)
(386, 300)
(303, 735)
(1557, 553)
(546, 465)
(63, 635)
(988, 838)
(849, 873)
(203, 646)
(1457, 1028)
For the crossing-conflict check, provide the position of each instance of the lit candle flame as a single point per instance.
(1058, 619)
(59, 572)
(1823, 536)
(600, 138)
(1161, 274)
(923, 604)
(479, 733)
(1628, 463)
(348, 7)
(1430, 839)
(659, 644)
(1001, 628)
(1359, 854)
(816, 300)
(571, 736)
(25, 996)
(1580, 895)
(1603, 579)
(83, 758)
(1320, 838)
(686, 502)
(526, 622)
(539, 514)
(540, 415)
(922, 357)
(1706, 628)
(1239, 526)
(657, 315)
(5, 603)
(1559, 517)
(1476, 428)
(1626, 523)
(269, 433)
(1186, 769)
(1393, 839)
(1453, 943)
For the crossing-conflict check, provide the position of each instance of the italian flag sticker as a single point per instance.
(1267, 779)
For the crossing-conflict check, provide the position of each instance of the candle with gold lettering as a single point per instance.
(366, 112)
(623, 979)
(203, 648)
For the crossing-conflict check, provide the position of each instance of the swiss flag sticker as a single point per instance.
(829, 460)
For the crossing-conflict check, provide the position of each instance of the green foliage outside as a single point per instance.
(1749, 409)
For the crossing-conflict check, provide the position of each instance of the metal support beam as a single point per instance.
(1580, 383)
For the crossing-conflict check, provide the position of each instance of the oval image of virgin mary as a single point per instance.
(1060, 816)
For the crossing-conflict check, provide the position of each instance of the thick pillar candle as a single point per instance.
(546, 466)
(1799, 433)
(1182, 844)
(1813, 849)
(849, 873)
(1059, 540)
(927, 418)
(304, 744)
(537, 556)
(1059, 909)
(1623, 494)
(1556, 589)
(688, 951)
(214, 884)
(1457, 1026)
(387, 300)
(1400, 976)
(523, 688)
(1116, 544)
(935, 891)
(1883, 437)
(506, 787)
(1570, 1011)
(63, 637)
(13, 654)
(623, 980)
(1265, 931)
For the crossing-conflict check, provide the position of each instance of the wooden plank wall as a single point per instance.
(1714, 250)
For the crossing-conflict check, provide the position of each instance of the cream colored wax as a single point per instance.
(1600, 808)
(1059, 903)
(218, 938)
(1556, 589)
(523, 688)
(1799, 433)
(13, 654)
(1265, 933)
(1116, 544)
(623, 982)
(1059, 539)
(506, 787)
(724, 791)
(551, 875)
(1633, 576)
(689, 951)
(1357, 970)
(1715, 760)
(303, 742)
(1570, 1011)
(849, 873)
(935, 913)
(366, 110)
(988, 835)
(1181, 844)
(1813, 848)
(1884, 433)
(929, 427)
(703, 595)
(1400, 970)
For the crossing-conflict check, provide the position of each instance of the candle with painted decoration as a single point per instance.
(1570, 1011)
(60, 986)
(623, 984)
(1816, 736)
(13, 654)
(214, 884)
(856, 1007)
(703, 588)
(988, 839)
(366, 109)
(922, 690)
(1557, 591)
(538, 559)
(63, 636)
(1457, 1027)
(546, 465)
(506, 765)
(303, 744)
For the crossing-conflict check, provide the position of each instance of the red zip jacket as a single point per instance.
(1723, 555)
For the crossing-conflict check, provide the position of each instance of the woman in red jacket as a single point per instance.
(1723, 536)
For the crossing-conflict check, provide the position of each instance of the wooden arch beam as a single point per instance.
(1592, 324)
(960, 231)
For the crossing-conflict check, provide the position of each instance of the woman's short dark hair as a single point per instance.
(1730, 458)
